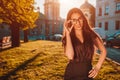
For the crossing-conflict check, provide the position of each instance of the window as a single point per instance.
(100, 12)
(106, 10)
(117, 25)
(106, 25)
(100, 25)
(118, 7)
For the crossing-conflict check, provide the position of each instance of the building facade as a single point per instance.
(89, 12)
(52, 17)
(49, 23)
(108, 15)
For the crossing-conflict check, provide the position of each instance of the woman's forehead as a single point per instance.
(75, 15)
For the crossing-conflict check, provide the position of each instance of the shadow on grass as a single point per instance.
(12, 72)
(9, 48)
(1, 50)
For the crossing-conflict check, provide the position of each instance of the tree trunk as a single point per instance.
(15, 35)
(25, 35)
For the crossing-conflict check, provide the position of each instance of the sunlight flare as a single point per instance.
(64, 1)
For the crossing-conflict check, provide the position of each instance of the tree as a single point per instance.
(18, 14)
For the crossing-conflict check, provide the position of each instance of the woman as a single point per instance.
(79, 42)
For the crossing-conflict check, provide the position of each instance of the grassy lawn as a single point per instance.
(44, 60)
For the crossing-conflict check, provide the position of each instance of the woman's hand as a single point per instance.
(99, 44)
(93, 73)
(67, 28)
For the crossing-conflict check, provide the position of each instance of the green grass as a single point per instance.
(44, 60)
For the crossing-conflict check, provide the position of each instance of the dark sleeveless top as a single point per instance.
(79, 67)
(83, 52)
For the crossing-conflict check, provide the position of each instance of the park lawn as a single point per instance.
(44, 60)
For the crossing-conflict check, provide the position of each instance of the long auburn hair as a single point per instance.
(88, 35)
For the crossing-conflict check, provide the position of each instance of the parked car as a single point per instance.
(100, 32)
(57, 37)
(113, 39)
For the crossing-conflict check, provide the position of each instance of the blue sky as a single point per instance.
(65, 5)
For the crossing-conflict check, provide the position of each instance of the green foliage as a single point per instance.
(18, 11)
(49, 64)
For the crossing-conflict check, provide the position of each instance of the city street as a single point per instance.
(114, 54)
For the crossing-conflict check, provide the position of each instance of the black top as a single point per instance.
(83, 52)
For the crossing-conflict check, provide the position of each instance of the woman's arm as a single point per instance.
(69, 52)
(99, 44)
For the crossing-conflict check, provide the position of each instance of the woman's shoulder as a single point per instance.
(96, 38)
(94, 35)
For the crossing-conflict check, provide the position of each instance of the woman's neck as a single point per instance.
(78, 33)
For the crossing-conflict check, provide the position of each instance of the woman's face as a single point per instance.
(77, 20)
